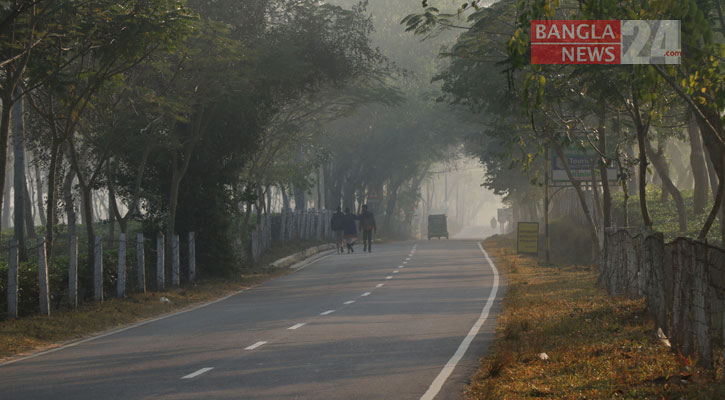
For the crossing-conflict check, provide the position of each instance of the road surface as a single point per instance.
(407, 321)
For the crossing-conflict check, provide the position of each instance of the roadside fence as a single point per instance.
(683, 283)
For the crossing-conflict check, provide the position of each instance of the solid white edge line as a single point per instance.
(440, 380)
(297, 326)
(140, 324)
(328, 312)
(255, 346)
(197, 373)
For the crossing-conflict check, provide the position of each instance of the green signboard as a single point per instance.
(580, 164)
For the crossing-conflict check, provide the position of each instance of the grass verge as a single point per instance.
(597, 347)
(30, 334)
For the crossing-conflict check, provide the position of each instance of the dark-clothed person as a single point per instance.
(367, 226)
(337, 226)
(348, 224)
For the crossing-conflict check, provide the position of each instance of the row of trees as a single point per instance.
(175, 110)
(624, 114)
(191, 115)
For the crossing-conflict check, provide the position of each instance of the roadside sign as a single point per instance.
(527, 238)
(505, 214)
(373, 196)
(580, 163)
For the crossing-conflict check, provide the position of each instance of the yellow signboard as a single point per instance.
(527, 238)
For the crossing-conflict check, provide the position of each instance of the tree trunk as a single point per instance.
(582, 201)
(19, 178)
(29, 220)
(665, 170)
(6, 215)
(50, 207)
(390, 207)
(69, 202)
(171, 218)
(711, 173)
(699, 167)
(641, 140)
(4, 136)
(86, 201)
(39, 193)
(111, 225)
(606, 193)
(300, 201)
(660, 165)
(285, 197)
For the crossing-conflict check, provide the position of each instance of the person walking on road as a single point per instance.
(350, 229)
(337, 226)
(367, 226)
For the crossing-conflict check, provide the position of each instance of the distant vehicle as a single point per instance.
(437, 226)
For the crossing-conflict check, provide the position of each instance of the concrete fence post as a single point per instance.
(175, 273)
(160, 278)
(73, 271)
(140, 264)
(701, 304)
(13, 264)
(43, 278)
(121, 282)
(98, 269)
(192, 257)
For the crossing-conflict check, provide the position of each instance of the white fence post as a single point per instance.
(98, 269)
(13, 280)
(140, 264)
(43, 278)
(121, 282)
(160, 284)
(192, 257)
(175, 275)
(73, 271)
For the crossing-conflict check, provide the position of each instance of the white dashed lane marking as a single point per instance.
(365, 294)
(389, 277)
(349, 302)
(380, 285)
(293, 327)
(395, 272)
(328, 312)
(255, 346)
(197, 373)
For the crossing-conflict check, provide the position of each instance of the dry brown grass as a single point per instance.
(598, 347)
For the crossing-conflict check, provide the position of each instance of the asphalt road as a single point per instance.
(407, 321)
